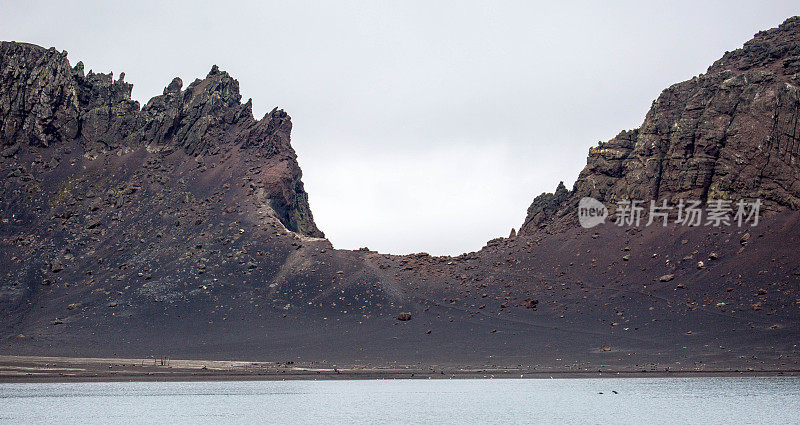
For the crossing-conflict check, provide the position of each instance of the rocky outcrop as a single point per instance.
(545, 206)
(135, 232)
(45, 103)
(38, 96)
(730, 133)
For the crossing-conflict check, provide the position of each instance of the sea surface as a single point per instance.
(459, 401)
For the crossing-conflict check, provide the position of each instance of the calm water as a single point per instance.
(546, 401)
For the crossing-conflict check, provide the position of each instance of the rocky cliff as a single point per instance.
(182, 229)
(730, 133)
(48, 107)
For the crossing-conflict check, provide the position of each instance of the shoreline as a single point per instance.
(33, 369)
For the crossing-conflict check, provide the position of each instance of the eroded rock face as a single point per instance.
(45, 103)
(730, 133)
(136, 233)
(38, 97)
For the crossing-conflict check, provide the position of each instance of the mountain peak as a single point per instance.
(729, 134)
(46, 103)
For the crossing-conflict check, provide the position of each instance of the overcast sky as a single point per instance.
(420, 126)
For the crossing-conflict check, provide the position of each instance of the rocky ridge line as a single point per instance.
(730, 133)
(44, 102)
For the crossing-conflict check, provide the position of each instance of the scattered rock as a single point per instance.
(666, 277)
(10, 151)
(56, 266)
(745, 238)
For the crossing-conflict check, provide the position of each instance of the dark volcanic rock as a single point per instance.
(727, 134)
(182, 229)
(56, 266)
(38, 100)
(44, 102)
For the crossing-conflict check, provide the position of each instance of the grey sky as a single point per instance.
(419, 125)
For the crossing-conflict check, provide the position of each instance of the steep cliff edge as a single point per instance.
(182, 229)
(730, 133)
(46, 107)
